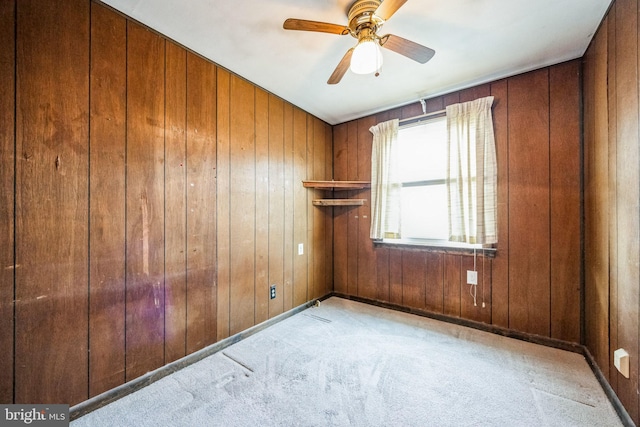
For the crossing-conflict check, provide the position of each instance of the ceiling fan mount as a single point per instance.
(365, 18)
(362, 15)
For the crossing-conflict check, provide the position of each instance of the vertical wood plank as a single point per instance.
(589, 188)
(328, 217)
(485, 291)
(364, 144)
(223, 197)
(627, 195)
(340, 248)
(340, 213)
(352, 212)
(51, 243)
(310, 250)
(366, 281)
(395, 276)
(414, 265)
(452, 265)
(382, 274)
(565, 188)
(613, 203)
(145, 202)
(289, 185)
(434, 288)
(470, 309)
(601, 315)
(107, 200)
(467, 308)
(529, 240)
(175, 193)
(596, 158)
(262, 206)
(201, 197)
(7, 193)
(340, 152)
(242, 206)
(300, 272)
(319, 226)
(276, 203)
(500, 272)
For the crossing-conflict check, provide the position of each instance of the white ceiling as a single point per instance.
(476, 41)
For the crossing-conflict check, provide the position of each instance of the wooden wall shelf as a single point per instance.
(337, 185)
(339, 202)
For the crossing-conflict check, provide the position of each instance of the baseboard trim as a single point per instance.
(114, 394)
(532, 338)
(611, 394)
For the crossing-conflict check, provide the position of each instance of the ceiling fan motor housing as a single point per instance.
(361, 15)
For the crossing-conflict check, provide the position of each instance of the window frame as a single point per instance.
(433, 245)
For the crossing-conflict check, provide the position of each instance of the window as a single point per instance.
(434, 182)
(422, 156)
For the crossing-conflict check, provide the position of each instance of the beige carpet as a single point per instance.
(346, 363)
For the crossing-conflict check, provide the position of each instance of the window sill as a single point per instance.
(437, 246)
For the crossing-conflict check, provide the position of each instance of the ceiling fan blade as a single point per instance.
(341, 69)
(405, 47)
(321, 27)
(388, 8)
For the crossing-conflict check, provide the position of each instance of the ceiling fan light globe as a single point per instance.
(366, 58)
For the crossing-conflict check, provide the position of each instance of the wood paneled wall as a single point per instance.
(148, 199)
(612, 197)
(533, 284)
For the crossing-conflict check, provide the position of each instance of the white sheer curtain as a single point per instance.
(472, 172)
(385, 187)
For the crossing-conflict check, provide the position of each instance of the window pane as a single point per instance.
(424, 212)
(423, 151)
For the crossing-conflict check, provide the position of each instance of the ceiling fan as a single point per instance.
(365, 19)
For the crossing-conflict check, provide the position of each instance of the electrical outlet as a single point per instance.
(300, 248)
(272, 291)
(472, 277)
(621, 361)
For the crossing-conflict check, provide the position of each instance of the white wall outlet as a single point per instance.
(621, 361)
(300, 248)
(472, 277)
